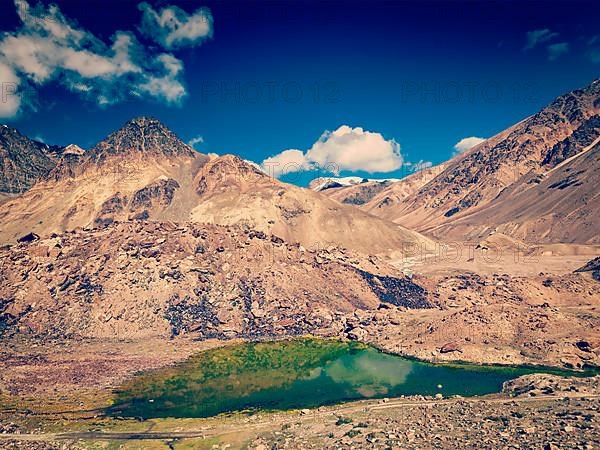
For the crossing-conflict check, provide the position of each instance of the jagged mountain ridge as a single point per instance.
(23, 161)
(145, 135)
(145, 172)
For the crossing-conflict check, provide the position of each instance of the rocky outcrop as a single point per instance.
(545, 384)
(22, 161)
(581, 138)
(134, 279)
(593, 267)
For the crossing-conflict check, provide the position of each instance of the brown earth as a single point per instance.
(137, 279)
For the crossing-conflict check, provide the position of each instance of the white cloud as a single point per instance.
(195, 140)
(287, 161)
(466, 144)
(173, 28)
(593, 52)
(346, 148)
(48, 47)
(556, 50)
(416, 167)
(10, 101)
(536, 37)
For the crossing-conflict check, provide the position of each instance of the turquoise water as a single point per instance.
(295, 374)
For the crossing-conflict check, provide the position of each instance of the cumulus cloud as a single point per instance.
(556, 50)
(536, 37)
(173, 28)
(49, 47)
(287, 161)
(346, 148)
(467, 143)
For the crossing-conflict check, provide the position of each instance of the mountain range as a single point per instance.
(536, 182)
(143, 171)
(143, 236)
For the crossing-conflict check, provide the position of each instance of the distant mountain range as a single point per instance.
(536, 181)
(145, 172)
(322, 183)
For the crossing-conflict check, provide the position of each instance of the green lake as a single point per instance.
(300, 373)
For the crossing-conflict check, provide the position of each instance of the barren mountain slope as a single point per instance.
(129, 174)
(560, 205)
(474, 180)
(384, 203)
(161, 279)
(232, 191)
(144, 172)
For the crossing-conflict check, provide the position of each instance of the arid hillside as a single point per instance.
(143, 278)
(536, 181)
(144, 172)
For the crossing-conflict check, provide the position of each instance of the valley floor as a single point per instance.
(537, 412)
(52, 392)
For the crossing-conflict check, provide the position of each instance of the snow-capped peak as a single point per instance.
(320, 184)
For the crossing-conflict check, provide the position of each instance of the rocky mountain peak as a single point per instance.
(141, 135)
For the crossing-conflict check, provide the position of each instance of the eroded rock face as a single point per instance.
(581, 137)
(152, 198)
(133, 279)
(161, 192)
(22, 161)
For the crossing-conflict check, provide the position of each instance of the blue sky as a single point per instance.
(408, 78)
